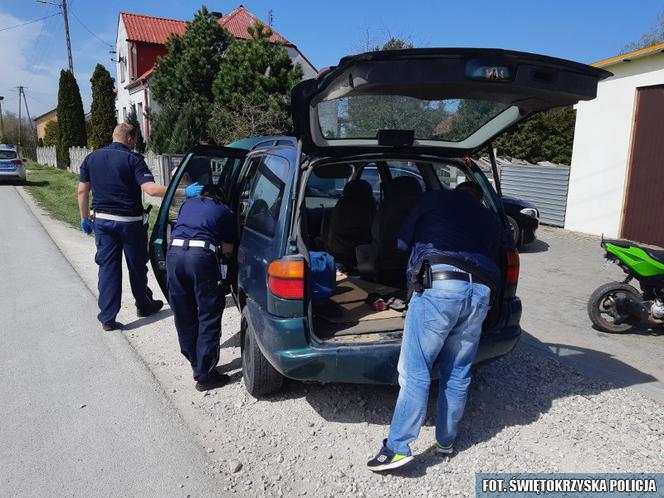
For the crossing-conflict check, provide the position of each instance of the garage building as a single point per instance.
(617, 174)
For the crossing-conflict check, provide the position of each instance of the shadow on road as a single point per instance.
(535, 246)
(140, 322)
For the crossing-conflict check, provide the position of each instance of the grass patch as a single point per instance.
(55, 190)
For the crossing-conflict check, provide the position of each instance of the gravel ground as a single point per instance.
(526, 413)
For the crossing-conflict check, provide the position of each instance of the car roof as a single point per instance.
(8, 146)
(250, 143)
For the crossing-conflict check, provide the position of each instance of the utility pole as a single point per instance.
(19, 117)
(64, 13)
(2, 123)
(27, 111)
(63, 8)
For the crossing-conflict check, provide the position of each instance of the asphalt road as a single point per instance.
(81, 415)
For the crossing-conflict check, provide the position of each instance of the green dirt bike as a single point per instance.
(617, 307)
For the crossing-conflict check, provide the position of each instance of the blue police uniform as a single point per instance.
(116, 174)
(194, 280)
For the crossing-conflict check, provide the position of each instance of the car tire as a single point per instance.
(516, 232)
(599, 305)
(260, 378)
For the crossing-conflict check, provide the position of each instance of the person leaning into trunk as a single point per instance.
(205, 229)
(453, 241)
(116, 176)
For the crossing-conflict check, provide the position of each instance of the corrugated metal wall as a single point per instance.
(544, 186)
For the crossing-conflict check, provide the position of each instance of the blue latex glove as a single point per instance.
(86, 226)
(193, 190)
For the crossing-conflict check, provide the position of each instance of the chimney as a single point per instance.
(216, 15)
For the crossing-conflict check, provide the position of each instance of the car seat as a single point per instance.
(382, 255)
(351, 220)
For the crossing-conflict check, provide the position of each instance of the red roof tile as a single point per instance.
(150, 29)
(238, 21)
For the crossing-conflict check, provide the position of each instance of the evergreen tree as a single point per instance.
(71, 119)
(102, 110)
(252, 88)
(547, 136)
(161, 129)
(183, 81)
(51, 133)
(132, 119)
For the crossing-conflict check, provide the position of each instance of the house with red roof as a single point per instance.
(141, 40)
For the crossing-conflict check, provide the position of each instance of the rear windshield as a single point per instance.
(7, 154)
(362, 116)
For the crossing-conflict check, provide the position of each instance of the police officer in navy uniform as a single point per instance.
(117, 175)
(204, 232)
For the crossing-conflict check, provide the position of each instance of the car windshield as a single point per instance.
(362, 116)
(7, 154)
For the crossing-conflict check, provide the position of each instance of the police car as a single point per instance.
(11, 165)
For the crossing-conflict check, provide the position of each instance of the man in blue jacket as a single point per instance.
(453, 241)
(116, 176)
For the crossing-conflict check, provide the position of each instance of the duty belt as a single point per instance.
(115, 217)
(194, 243)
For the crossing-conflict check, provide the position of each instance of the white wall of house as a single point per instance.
(307, 69)
(602, 141)
(122, 100)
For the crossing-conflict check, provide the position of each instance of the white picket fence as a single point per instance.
(160, 165)
(76, 157)
(47, 155)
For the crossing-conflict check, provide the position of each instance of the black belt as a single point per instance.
(457, 275)
(451, 275)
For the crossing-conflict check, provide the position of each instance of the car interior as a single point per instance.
(354, 211)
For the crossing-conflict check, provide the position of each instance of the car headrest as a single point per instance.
(405, 186)
(358, 189)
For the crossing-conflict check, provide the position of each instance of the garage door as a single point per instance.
(642, 217)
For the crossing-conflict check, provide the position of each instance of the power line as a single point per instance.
(88, 29)
(42, 47)
(29, 22)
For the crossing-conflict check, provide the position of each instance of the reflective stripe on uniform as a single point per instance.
(115, 217)
(194, 243)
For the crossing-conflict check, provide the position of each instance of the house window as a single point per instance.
(123, 68)
(124, 114)
(139, 115)
(134, 63)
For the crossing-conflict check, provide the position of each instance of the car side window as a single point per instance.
(266, 195)
(407, 170)
(371, 175)
(450, 176)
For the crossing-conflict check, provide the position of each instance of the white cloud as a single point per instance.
(32, 56)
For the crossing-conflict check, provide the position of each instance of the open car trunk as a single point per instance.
(359, 228)
(346, 314)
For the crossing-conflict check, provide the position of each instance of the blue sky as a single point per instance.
(582, 30)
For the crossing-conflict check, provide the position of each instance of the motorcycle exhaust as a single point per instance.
(628, 305)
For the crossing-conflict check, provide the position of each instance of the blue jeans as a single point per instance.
(442, 331)
(112, 239)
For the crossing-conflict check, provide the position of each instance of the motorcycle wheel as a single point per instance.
(602, 309)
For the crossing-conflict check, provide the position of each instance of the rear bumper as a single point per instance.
(12, 173)
(284, 342)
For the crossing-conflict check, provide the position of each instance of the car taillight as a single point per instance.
(18, 162)
(512, 273)
(285, 278)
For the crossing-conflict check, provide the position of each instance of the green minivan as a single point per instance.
(419, 111)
